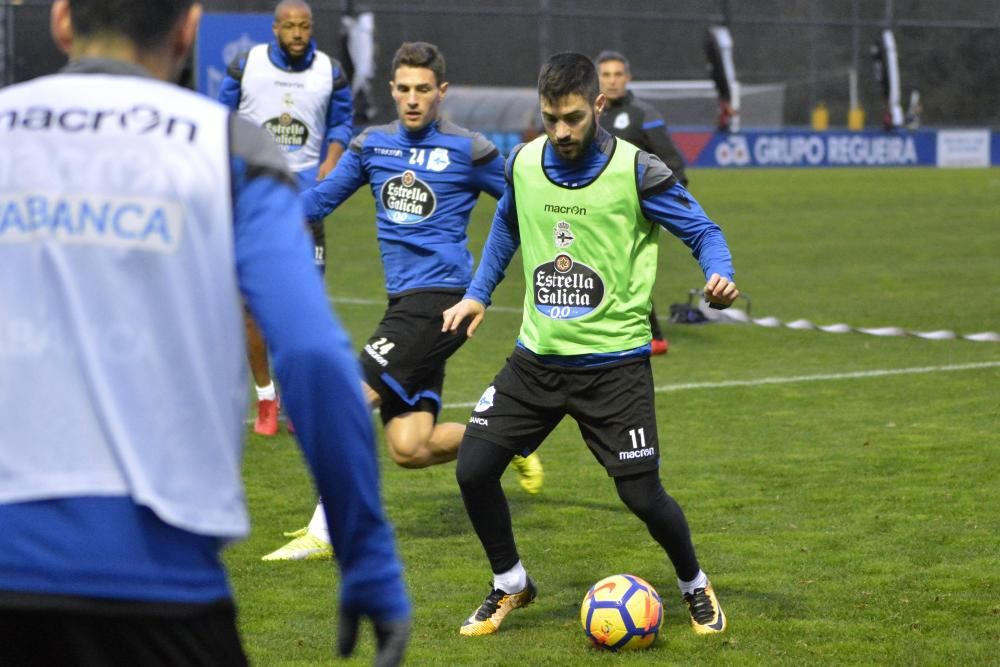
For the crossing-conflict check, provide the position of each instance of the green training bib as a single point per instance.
(589, 257)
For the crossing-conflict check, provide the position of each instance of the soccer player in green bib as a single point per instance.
(585, 209)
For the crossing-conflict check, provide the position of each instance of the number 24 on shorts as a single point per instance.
(383, 346)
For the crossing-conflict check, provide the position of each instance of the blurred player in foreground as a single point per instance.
(426, 175)
(585, 209)
(135, 214)
(302, 97)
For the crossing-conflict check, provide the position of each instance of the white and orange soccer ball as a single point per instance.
(621, 613)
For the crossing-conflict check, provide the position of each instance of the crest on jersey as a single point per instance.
(486, 400)
(563, 234)
(621, 120)
(438, 159)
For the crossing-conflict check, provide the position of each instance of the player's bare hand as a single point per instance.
(454, 316)
(720, 290)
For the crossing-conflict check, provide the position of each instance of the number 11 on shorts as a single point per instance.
(639, 441)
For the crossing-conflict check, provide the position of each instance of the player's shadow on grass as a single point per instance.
(436, 512)
(612, 505)
(774, 605)
(430, 512)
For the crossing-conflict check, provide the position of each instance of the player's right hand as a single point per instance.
(454, 316)
(391, 638)
(720, 291)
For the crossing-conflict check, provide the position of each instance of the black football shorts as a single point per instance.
(404, 359)
(43, 631)
(613, 407)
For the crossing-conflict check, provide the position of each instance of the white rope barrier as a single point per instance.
(738, 316)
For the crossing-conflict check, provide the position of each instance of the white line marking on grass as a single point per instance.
(351, 301)
(819, 377)
(759, 382)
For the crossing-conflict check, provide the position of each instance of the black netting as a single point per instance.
(950, 52)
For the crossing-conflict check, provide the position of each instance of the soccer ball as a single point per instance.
(621, 613)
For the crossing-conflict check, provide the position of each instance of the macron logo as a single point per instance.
(635, 454)
(567, 210)
(379, 359)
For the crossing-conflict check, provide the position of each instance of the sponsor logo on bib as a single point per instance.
(565, 289)
(148, 224)
(289, 132)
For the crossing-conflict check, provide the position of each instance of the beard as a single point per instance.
(574, 149)
(287, 48)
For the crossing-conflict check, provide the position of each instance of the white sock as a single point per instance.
(317, 525)
(699, 581)
(513, 580)
(266, 393)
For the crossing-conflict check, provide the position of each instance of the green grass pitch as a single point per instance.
(844, 519)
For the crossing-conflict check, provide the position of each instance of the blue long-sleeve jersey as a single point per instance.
(662, 199)
(339, 114)
(425, 185)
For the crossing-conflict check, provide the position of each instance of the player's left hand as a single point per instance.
(720, 290)
(391, 639)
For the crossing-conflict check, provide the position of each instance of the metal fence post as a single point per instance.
(544, 30)
(813, 38)
(4, 51)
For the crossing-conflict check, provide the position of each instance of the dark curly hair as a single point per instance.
(568, 73)
(145, 23)
(420, 54)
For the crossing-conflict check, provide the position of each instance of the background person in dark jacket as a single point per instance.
(638, 123)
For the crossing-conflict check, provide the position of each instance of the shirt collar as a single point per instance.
(603, 143)
(422, 133)
(105, 66)
(624, 100)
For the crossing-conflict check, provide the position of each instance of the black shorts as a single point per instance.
(613, 407)
(404, 359)
(42, 631)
